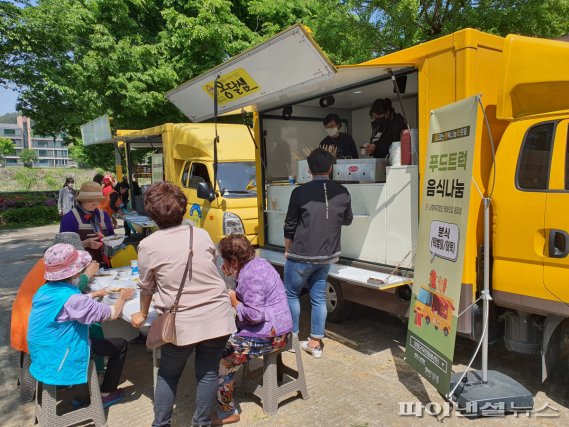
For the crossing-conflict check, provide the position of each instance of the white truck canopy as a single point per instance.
(288, 68)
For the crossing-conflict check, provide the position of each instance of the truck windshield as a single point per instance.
(237, 179)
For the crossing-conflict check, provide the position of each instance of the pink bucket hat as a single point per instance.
(63, 261)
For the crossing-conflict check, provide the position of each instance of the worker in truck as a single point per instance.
(344, 144)
(312, 230)
(386, 127)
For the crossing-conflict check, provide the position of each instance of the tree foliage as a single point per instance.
(28, 156)
(7, 147)
(77, 60)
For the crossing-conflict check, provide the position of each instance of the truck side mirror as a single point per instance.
(205, 191)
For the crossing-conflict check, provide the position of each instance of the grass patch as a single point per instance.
(14, 178)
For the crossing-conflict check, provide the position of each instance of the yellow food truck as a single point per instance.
(435, 308)
(186, 159)
(290, 85)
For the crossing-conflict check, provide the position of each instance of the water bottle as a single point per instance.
(134, 267)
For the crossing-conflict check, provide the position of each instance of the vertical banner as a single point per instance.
(157, 168)
(440, 249)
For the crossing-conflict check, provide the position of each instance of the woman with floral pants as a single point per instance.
(263, 317)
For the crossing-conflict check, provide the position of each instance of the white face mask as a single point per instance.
(70, 185)
(75, 280)
(331, 131)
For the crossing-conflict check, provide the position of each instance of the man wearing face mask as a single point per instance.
(386, 127)
(345, 145)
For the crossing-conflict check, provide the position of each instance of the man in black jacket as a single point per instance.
(344, 144)
(386, 127)
(316, 212)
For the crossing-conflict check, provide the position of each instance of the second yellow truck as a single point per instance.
(188, 162)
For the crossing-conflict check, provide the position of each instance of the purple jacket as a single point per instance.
(263, 301)
(69, 223)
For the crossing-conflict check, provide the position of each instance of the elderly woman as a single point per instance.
(91, 223)
(204, 319)
(59, 326)
(29, 286)
(263, 316)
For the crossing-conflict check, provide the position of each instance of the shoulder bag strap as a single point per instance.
(187, 271)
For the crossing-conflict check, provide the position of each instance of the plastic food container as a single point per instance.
(113, 241)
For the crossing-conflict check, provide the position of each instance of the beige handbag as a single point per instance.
(163, 329)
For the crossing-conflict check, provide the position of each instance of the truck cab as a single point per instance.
(229, 206)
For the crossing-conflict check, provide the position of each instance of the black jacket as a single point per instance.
(392, 133)
(316, 212)
(345, 146)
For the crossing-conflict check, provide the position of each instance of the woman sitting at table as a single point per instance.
(91, 223)
(204, 319)
(263, 316)
(32, 282)
(59, 324)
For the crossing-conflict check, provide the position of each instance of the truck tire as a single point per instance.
(338, 308)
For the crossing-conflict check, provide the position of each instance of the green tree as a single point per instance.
(77, 60)
(26, 178)
(6, 148)
(28, 156)
(400, 24)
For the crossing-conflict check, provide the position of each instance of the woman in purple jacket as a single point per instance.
(263, 316)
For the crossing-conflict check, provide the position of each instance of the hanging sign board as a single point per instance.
(440, 249)
(157, 168)
(97, 131)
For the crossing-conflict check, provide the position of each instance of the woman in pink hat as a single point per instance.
(58, 329)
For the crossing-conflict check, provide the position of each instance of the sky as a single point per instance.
(7, 101)
(7, 96)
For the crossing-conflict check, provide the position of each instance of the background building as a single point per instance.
(51, 152)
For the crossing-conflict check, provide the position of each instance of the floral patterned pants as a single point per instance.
(239, 351)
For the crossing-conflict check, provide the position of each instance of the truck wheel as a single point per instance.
(427, 320)
(338, 308)
(445, 331)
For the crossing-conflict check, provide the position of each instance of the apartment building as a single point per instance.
(51, 152)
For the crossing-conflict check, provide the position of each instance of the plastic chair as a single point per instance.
(123, 257)
(274, 372)
(26, 382)
(46, 405)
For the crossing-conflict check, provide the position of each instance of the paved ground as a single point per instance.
(359, 382)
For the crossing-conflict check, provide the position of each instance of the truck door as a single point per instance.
(531, 220)
(556, 261)
(192, 174)
(522, 176)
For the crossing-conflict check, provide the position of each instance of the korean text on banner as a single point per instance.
(233, 85)
(157, 168)
(440, 249)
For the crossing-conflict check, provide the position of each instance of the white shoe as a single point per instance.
(316, 352)
(292, 350)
